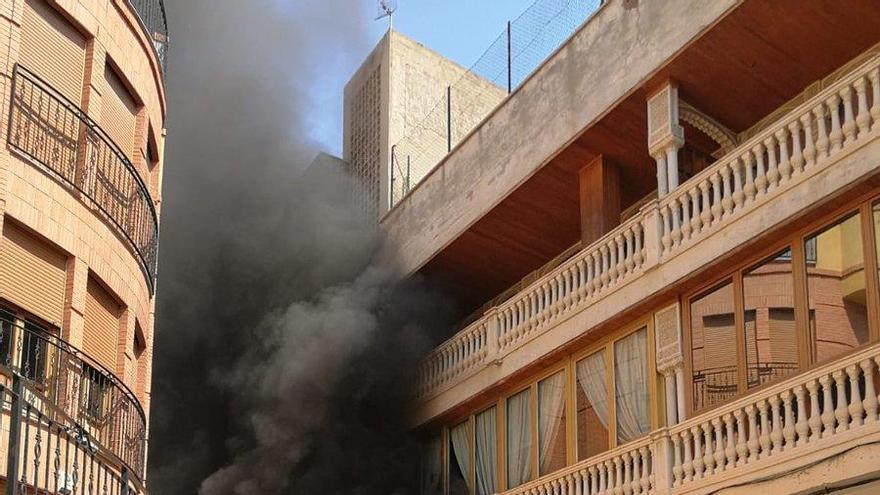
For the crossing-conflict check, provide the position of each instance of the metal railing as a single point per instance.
(716, 385)
(515, 54)
(155, 23)
(48, 129)
(71, 389)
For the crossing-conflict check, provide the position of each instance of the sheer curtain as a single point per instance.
(460, 447)
(631, 386)
(431, 467)
(486, 467)
(551, 400)
(519, 439)
(591, 378)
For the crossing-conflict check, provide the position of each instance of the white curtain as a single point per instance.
(631, 386)
(519, 440)
(431, 467)
(551, 400)
(591, 378)
(486, 453)
(461, 449)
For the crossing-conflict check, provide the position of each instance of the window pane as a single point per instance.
(877, 234)
(486, 441)
(459, 460)
(7, 321)
(33, 353)
(551, 423)
(631, 387)
(713, 347)
(771, 339)
(838, 312)
(431, 466)
(519, 439)
(592, 406)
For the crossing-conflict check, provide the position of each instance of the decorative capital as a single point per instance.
(663, 122)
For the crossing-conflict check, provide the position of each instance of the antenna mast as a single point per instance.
(387, 9)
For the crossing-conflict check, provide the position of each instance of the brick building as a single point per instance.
(82, 114)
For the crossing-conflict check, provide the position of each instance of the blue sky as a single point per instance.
(458, 29)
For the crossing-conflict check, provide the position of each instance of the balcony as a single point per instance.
(51, 132)
(151, 13)
(71, 424)
(777, 173)
(800, 422)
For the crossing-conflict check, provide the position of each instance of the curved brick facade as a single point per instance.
(67, 175)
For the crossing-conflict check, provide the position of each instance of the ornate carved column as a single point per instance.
(665, 136)
(670, 362)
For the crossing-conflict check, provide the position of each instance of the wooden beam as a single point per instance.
(599, 183)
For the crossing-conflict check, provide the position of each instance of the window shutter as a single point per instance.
(101, 336)
(33, 274)
(118, 112)
(53, 49)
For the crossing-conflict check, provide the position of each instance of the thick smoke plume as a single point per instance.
(283, 350)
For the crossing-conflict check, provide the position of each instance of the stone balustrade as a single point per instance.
(464, 352)
(766, 427)
(805, 414)
(585, 277)
(804, 141)
(800, 143)
(629, 469)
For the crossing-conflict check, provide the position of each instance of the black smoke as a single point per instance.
(283, 350)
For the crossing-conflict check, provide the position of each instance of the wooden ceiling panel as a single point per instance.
(757, 58)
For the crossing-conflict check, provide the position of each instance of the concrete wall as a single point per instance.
(411, 96)
(617, 50)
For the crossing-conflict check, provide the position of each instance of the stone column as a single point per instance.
(665, 136)
(670, 362)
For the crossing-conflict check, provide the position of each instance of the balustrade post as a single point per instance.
(653, 233)
(662, 461)
(493, 330)
(875, 104)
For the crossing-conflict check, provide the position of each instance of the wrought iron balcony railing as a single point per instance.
(69, 389)
(48, 129)
(155, 23)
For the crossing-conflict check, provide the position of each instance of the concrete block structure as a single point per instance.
(82, 118)
(664, 245)
(401, 89)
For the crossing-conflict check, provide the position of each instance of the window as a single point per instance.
(805, 304)
(24, 345)
(631, 387)
(713, 346)
(431, 467)
(592, 406)
(459, 459)
(485, 441)
(519, 439)
(875, 209)
(32, 358)
(769, 321)
(551, 423)
(7, 320)
(837, 299)
(97, 391)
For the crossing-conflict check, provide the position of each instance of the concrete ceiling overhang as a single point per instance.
(755, 58)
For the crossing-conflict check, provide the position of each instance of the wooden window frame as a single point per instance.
(22, 318)
(861, 206)
(606, 345)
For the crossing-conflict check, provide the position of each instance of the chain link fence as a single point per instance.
(518, 51)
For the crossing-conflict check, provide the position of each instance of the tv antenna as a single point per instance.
(387, 9)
